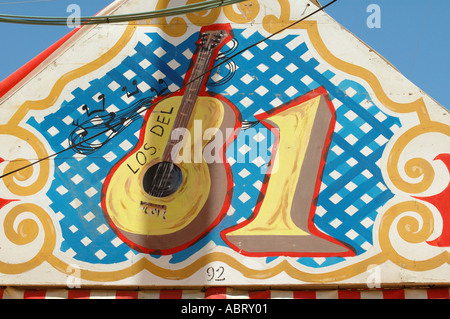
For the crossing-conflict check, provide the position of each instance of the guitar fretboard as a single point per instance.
(190, 97)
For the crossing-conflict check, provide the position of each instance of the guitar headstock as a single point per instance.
(214, 36)
(211, 39)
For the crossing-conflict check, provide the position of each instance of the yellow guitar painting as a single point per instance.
(158, 199)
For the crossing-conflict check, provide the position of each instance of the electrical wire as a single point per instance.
(58, 21)
(172, 93)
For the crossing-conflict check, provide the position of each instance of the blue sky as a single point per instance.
(414, 35)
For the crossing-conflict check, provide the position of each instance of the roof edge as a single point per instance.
(12, 80)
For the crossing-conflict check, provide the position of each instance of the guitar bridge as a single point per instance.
(155, 209)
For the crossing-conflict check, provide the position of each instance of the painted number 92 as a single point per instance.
(215, 274)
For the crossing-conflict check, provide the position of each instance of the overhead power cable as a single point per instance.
(150, 106)
(188, 8)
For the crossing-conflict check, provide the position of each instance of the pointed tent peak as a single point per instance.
(136, 6)
(118, 7)
(25, 71)
(316, 2)
(115, 7)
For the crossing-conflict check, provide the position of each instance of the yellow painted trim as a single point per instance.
(13, 181)
(13, 126)
(407, 226)
(70, 76)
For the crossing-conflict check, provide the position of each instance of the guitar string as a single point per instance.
(203, 58)
(191, 97)
(158, 186)
(152, 105)
(203, 61)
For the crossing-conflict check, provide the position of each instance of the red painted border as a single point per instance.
(11, 81)
(216, 293)
(438, 293)
(34, 294)
(442, 203)
(394, 294)
(349, 294)
(79, 294)
(171, 294)
(126, 294)
(307, 294)
(264, 294)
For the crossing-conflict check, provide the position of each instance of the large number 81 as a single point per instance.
(282, 222)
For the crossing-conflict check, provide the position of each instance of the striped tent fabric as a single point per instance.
(225, 293)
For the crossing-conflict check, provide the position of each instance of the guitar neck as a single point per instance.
(208, 46)
(193, 88)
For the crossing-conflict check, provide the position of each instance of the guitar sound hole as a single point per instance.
(162, 179)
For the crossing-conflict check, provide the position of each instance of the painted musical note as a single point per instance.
(85, 107)
(130, 94)
(106, 125)
(161, 91)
